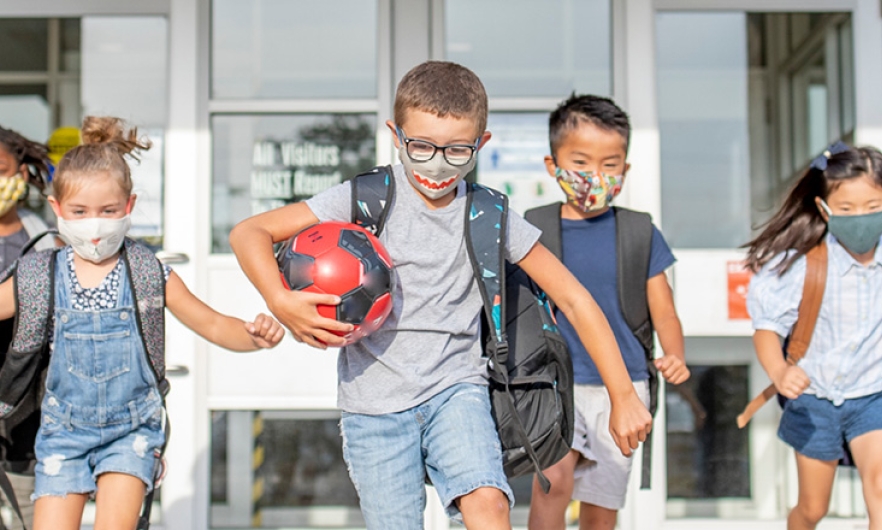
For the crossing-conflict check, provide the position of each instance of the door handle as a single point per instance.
(176, 369)
(172, 258)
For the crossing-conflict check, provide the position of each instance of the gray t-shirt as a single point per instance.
(431, 339)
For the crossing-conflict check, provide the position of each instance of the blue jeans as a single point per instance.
(450, 438)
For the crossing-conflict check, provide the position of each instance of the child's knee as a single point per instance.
(812, 512)
(488, 500)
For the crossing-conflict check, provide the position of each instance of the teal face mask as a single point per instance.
(858, 233)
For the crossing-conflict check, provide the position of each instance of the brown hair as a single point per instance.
(34, 155)
(444, 89)
(798, 224)
(106, 142)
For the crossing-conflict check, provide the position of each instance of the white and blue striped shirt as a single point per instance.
(844, 359)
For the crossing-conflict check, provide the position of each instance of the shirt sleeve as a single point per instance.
(773, 300)
(333, 204)
(520, 238)
(660, 255)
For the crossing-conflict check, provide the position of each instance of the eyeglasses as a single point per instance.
(423, 151)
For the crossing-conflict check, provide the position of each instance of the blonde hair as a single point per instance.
(106, 143)
(444, 89)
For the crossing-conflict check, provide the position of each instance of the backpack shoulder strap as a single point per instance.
(812, 295)
(633, 248)
(547, 219)
(34, 299)
(813, 287)
(147, 278)
(485, 228)
(372, 193)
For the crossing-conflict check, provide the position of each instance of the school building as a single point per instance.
(254, 103)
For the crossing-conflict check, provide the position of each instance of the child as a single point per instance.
(589, 143)
(414, 393)
(102, 415)
(836, 389)
(23, 163)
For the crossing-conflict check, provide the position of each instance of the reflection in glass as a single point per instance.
(522, 48)
(707, 454)
(25, 44)
(293, 460)
(703, 127)
(263, 162)
(293, 49)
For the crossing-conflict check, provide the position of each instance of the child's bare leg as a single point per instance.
(815, 485)
(485, 509)
(868, 459)
(593, 517)
(548, 511)
(59, 513)
(118, 501)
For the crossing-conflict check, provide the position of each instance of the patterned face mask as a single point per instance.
(588, 191)
(11, 190)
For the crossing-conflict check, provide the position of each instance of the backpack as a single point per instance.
(796, 343)
(24, 368)
(634, 242)
(529, 367)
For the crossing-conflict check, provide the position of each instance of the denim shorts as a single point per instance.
(817, 428)
(450, 438)
(71, 455)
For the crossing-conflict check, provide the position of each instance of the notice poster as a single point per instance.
(512, 161)
(737, 279)
(289, 171)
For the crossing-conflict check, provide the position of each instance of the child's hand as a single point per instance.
(792, 382)
(297, 311)
(629, 423)
(673, 369)
(265, 331)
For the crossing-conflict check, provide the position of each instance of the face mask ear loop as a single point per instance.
(825, 207)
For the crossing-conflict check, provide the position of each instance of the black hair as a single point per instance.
(798, 224)
(596, 110)
(33, 154)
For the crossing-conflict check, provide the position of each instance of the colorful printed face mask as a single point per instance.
(589, 191)
(11, 190)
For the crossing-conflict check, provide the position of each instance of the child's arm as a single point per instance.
(629, 422)
(225, 331)
(790, 380)
(672, 364)
(252, 241)
(7, 299)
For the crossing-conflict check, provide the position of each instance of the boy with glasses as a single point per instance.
(414, 393)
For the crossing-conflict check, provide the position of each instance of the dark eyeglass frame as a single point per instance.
(435, 148)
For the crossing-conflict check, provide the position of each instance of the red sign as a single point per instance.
(737, 279)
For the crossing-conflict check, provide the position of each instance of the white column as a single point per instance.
(867, 23)
(637, 95)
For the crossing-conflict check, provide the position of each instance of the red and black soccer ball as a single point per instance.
(348, 261)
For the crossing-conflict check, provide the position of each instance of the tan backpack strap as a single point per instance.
(812, 295)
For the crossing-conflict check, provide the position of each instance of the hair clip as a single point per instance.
(820, 161)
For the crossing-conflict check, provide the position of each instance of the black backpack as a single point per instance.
(634, 242)
(531, 374)
(26, 360)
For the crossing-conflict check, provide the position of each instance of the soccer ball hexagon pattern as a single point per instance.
(348, 261)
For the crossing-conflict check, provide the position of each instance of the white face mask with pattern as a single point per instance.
(96, 238)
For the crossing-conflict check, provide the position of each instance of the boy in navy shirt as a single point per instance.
(589, 143)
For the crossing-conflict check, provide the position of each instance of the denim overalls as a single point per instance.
(102, 411)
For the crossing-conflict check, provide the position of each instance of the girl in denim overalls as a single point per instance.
(102, 425)
(835, 390)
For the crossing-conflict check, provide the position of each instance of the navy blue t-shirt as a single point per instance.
(589, 252)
